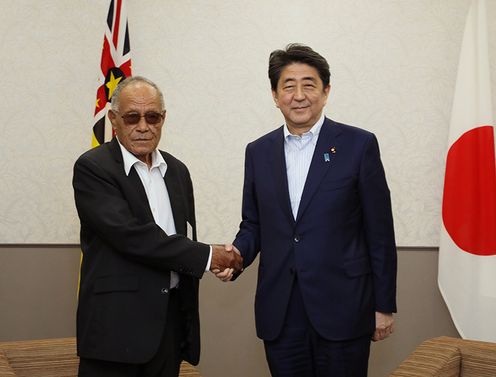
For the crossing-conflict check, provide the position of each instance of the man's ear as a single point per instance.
(276, 100)
(112, 117)
(327, 90)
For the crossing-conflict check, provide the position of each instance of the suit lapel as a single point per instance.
(318, 167)
(133, 181)
(176, 196)
(280, 174)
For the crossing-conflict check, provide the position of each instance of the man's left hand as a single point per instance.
(384, 326)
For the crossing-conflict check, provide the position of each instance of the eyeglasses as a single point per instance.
(151, 117)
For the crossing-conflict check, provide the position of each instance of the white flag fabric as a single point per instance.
(467, 251)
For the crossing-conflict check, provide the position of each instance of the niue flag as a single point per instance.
(115, 67)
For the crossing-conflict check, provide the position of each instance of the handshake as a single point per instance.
(226, 260)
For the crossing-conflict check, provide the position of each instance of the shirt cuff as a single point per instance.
(209, 262)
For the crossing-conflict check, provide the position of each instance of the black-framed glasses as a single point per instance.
(151, 117)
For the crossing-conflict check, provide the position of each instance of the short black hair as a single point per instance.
(297, 53)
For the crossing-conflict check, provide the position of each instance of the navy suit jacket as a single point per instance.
(341, 245)
(127, 259)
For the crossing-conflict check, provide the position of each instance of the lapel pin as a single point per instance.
(333, 150)
(326, 157)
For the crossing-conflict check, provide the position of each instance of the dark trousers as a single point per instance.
(165, 363)
(299, 351)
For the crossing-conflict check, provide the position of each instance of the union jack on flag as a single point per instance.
(115, 67)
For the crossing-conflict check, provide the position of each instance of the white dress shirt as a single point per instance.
(298, 151)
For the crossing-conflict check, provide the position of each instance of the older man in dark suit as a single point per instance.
(138, 298)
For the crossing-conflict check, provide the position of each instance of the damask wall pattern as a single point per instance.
(393, 66)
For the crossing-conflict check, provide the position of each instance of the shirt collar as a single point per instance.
(314, 131)
(130, 159)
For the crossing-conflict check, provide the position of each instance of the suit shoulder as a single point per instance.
(174, 162)
(267, 138)
(99, 153)
(352, 130)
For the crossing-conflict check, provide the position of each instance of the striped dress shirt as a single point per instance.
(298, 151)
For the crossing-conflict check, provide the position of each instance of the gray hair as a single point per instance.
(114, 102)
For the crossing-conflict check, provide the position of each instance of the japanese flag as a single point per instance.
(467, 252)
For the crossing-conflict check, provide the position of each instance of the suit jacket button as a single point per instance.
(296, 238)
(164, 291)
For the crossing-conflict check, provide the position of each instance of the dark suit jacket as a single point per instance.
(127, 259)
(341, 246)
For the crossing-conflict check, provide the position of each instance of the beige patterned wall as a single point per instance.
(393, 65)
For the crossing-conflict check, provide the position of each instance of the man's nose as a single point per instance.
(299, 95)
(142, 126)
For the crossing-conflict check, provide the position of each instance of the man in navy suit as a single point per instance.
(138, 300)
(317, 209)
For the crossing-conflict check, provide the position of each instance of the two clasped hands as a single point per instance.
(226, 261)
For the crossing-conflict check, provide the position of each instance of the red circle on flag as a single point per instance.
(469, 201)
